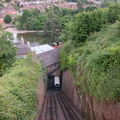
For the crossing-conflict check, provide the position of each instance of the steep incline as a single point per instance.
(57, 107)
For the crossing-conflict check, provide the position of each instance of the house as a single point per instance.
(49, 56)
(23, 49)
(51, 60)
(41, 48)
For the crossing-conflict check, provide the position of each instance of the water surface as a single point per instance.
(35, 38)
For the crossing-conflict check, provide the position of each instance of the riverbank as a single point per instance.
(5, 25)
(11, 28)
(15, 30)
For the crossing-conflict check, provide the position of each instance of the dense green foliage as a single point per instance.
(36, 20)
(18, 90)
(7, 0)
(56, 21)
(7, 51)
(31, 20)
(86, 23)
(90, 8)
(41, 18)
(71, 0)
(52, 21)
(7, 18)
(96, 64)
(92, 52)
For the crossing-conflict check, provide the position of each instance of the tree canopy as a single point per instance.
(52, 21)
(18, 90)
(7, 51)
(86, 23)
(96, 64)
(30, 20)
(7, 18)
(92, 52)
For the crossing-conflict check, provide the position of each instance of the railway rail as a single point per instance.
(57, 107)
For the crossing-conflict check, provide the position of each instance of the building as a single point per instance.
(49, 57)
(51, 60)
(23, 49)
(41, 48)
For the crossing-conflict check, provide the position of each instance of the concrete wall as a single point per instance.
(89, 107)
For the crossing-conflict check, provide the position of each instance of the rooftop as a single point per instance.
(23, 49)
(42, 48)
(50, 57)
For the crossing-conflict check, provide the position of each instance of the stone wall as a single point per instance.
(89, 107)
(41, 93)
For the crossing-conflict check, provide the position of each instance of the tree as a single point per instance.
(42, 19)
(84, 24)
(90, 8)
(64, 20)
(114, 12)
(52, 26)
(7, 50)
(17, 24)
(36, 12)
(24, 18)
(80, 5)
(7, 18)
(7, 0)
(104, 4)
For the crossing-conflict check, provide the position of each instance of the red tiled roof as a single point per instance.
(57, 46)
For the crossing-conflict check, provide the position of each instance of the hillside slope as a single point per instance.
(18, 91)
(96, 64)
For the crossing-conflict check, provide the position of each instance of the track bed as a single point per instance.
(57, 107)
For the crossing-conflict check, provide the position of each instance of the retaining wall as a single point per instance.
(41, 93)
(89, 107)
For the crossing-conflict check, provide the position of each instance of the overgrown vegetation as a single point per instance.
(18, 90)
(96, 64)
(37, 19)
(52, 21)
(30, 20)
(94, 60)
(86, 23)
(7, 51)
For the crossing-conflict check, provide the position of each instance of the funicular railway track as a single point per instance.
(57, 107)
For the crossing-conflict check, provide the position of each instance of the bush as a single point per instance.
(96, 64)
(18, 97)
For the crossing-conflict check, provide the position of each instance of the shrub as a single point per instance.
(18, 97)
(96, 65)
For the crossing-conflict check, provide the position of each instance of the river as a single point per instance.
(35, 38)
